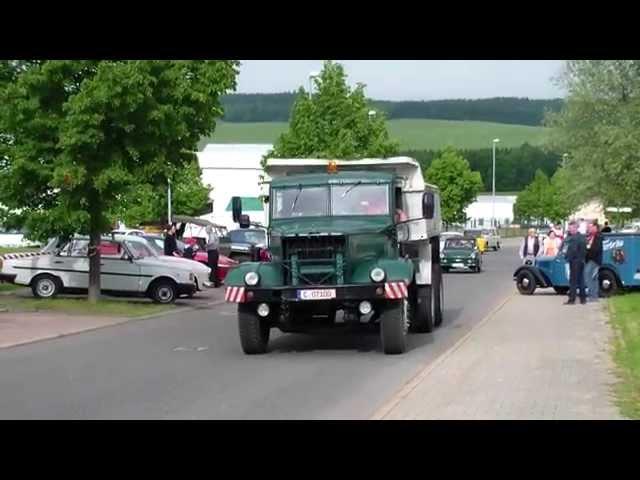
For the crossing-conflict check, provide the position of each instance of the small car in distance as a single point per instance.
(492, 238)
(620, 268)
(481, 242)
(244, 240)
(461, 253)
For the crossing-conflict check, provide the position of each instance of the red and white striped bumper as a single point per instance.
(234, 295)
(395, 290)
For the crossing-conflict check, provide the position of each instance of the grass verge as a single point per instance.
(9, 287)
(625, 316)
(80, 306)
(4, 250)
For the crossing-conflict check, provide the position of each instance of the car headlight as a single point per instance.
(252, 279)
(377, 274)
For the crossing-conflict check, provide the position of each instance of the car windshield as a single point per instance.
(460, 243)
(254, 237)
(139, 249)
(301, 202)
(359, 199)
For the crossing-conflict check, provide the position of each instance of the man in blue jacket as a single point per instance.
(575, 255)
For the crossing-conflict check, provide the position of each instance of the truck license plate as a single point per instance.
(324, 294)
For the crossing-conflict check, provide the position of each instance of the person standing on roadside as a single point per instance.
(530, 247)
(575, 256)
(593, 261)
(170, 242)
(212, 255)
(558, 232)
(582, 227)
(551, 245)
(606, 228)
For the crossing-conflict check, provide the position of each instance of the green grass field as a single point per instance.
(419, 134)
(625, 316)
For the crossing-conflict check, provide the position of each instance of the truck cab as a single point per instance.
(351, 236)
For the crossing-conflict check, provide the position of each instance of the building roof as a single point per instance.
(233, 156)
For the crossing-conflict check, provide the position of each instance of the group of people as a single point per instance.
(211, 246)
(583, 253)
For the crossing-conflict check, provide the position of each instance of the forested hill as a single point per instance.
(275, 107)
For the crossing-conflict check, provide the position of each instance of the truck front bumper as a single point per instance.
(343, 293)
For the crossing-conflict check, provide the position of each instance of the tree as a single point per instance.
(147, 202)
(599, 128)
(77, 136)
(544, 199)
(334, 122)
(458, 184)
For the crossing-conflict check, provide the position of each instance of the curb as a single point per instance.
(414, 381)
(124, 320)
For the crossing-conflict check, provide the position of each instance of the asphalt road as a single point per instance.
(191, 366)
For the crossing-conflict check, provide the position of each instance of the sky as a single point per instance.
(414, 79)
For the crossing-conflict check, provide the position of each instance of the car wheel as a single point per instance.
(526, 282)
(608, 283)
(46, 286)
(163, 292)
(422, 315)
(393, 328)
(254, 330)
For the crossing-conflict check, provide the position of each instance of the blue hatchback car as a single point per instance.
(620, 268)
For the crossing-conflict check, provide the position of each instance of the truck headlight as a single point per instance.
(252, 279)
(377, 274)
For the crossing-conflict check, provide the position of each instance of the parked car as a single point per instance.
(492, 238)
(244, 240)
(199, 254)
(128, 266)
(461, 253)
(620, 268)
(129, 231)
(481, 242)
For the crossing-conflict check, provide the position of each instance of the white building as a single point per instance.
(233, 170)
(480, 212)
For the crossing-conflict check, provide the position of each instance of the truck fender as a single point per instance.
(540, 277)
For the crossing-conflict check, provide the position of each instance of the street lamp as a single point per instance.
(312, 76)
(493, 205)
(168, 201)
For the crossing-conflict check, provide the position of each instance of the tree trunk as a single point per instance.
(94, 258)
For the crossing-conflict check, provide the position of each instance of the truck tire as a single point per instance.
(608, 283)
(393, 328)
(526, 282)
(422, 314)
(438, 296)
(254, 330)
(46, 286)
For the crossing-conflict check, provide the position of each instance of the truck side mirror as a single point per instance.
(244, 221)
(428, 205)
(236, 208)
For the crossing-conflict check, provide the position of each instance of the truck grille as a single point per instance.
(314, 260)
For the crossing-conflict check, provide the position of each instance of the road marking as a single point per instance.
(412, 383)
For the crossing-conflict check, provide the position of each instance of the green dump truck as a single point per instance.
(357, 237)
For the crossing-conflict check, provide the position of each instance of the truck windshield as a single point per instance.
(360, 199)
(301, 202)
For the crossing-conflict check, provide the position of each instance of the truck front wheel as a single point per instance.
(254, 330)
(393, 328)
(422, 311)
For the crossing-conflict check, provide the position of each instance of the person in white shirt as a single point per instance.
(582, 228)
(530, 247)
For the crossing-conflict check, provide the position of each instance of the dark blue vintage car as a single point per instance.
(620, 268)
